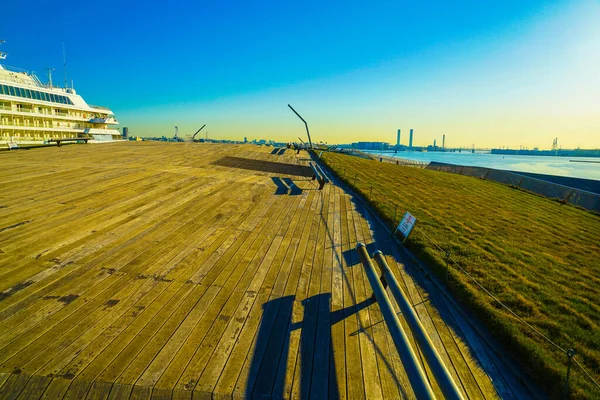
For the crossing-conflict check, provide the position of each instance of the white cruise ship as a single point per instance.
(35, 113)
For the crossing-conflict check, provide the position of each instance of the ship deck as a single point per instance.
(172, 270)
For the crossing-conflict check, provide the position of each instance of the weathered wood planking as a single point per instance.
(148, 270)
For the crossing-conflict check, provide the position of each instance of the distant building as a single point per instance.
(398, 138)
(371, 145)
(444, 141)
(410, 139)
(125, 132)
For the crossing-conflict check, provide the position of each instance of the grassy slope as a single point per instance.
(539, 257)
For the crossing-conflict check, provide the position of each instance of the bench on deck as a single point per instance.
(60, 141)
(318, 174)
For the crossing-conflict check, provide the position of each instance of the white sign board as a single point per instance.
(407, 223)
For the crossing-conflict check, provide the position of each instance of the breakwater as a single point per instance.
(557, 153)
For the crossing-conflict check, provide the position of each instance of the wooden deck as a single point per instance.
(172, 270)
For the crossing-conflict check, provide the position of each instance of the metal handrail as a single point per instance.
(440, 372)
(416, 375)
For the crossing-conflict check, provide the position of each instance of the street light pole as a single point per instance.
(305, 124)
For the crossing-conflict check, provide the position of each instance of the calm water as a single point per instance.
(536, 164)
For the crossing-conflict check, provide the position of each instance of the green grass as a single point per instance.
(539, 257)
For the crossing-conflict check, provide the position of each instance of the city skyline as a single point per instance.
(505, 74)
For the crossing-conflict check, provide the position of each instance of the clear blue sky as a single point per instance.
(494, 73)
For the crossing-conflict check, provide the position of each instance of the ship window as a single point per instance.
(12, 91)
(52, 98)
(69, 101)
(63, 99)
(37, 95)
(28, 93)
(46, 97)
(3, 89)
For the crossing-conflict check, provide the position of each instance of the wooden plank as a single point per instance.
(247, 260)
(355, 377)
(285, 372)
(138, 245)
(142, 329)
(210, 376)
(56, 357)
(321, 374)
(119, 392)
(70, 272)
(3, 378)
(13, 386)
(302, 294)
(98, 391)
(35, 387)
(11, 347)
(56, 389)
(343, 244)
(277, 347)
(262, 281)
(154, 371)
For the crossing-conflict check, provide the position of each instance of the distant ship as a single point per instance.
(32, 112)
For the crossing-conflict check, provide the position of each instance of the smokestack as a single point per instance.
(434, 143)
(410, 139)
(398, 139)
(444, 141)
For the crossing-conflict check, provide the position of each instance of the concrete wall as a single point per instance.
(532, 183)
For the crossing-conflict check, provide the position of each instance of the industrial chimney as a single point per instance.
(410, 139)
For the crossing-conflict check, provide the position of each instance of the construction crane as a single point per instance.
(198, 131)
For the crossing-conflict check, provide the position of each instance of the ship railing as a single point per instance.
(37, 112)
(100, 107)
(15, 69)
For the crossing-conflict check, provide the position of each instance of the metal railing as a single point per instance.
(441, 373)
(416, 375)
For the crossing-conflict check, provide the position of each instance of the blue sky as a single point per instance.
(497, 73)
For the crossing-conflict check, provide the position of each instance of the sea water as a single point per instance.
(562, 166)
